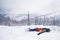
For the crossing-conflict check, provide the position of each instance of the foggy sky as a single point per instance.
(33, 6)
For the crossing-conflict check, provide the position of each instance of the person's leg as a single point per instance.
(33, 29)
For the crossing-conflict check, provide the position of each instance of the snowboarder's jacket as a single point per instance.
(43, 30)
(39, 30)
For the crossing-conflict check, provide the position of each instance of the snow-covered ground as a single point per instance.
(20, 33)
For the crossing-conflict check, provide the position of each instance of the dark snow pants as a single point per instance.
(35, 29)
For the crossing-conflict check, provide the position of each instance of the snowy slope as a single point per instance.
(20, 33)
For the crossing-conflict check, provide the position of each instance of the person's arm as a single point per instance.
(40, 33)
(43, 30)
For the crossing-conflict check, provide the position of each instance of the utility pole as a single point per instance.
(28, 18)
(54, 19)
(44, 20)
(36, 20)
(40, 21)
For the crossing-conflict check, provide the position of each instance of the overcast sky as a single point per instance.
(33, 6)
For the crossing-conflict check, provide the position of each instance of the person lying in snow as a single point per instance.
(40, 30)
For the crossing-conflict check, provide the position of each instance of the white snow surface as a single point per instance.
(21, 33)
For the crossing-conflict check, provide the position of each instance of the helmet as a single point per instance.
(47, 30)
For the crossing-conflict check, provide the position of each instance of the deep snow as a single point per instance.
(20, 33)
